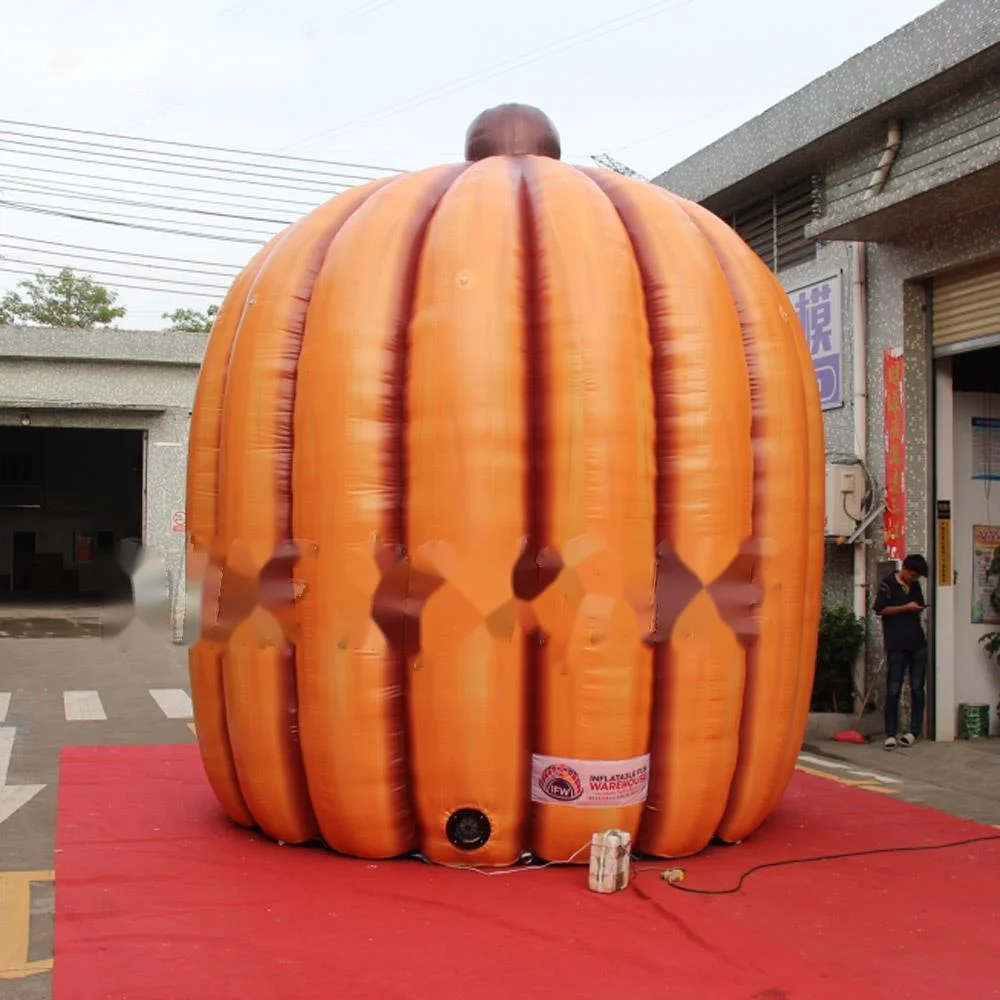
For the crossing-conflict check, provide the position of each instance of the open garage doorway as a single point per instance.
(69, 497)
(967, 408)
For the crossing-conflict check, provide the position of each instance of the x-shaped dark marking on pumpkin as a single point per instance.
(233, 592)
(399, 599)
(735, 591)
(403, 591)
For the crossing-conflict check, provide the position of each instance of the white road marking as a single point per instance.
(836, 766)
(174, 703)
(6, 749)
(83, 706)
(4, 706)
(12, 797)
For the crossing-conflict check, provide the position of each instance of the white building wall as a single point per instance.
(115, 379)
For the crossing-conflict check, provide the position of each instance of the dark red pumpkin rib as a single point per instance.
(536, 471)
(255, 477)
(396, 459)
(781, 524)
(402, 598)
(599, 440)
(363, 595)
(703, 516)
(466, 515)
(661, 451)
(815, 459)
(202, 568)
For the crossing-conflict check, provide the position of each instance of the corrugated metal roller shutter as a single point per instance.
(966, 304)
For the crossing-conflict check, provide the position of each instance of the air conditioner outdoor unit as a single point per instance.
(844, 496)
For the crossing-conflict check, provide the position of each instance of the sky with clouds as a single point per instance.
(379, 83)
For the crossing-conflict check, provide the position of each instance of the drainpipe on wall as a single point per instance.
(859, 288)
(859, 304)
(892, 143)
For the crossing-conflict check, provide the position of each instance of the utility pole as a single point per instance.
(607, 161)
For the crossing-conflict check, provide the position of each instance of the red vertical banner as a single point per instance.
(894, 402)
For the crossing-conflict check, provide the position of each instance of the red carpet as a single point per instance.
(158, 898)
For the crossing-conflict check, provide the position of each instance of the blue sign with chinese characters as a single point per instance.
(819, 311)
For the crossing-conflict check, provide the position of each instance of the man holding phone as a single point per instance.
(899, 603)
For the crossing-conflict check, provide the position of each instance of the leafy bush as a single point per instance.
(841, 638)
(991, 643)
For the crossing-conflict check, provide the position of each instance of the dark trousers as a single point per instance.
(898, 662)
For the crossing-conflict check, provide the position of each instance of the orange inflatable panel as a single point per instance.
(505, 502)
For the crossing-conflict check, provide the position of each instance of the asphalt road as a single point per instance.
(62, 685)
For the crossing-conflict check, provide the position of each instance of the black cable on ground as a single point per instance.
(674, 876)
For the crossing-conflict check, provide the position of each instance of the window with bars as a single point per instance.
(775, 226)
(18, 469)
(20, 480)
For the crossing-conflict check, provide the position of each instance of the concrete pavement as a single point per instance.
(61, 685)
(961, 778)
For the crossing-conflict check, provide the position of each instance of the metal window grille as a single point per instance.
(775, 226)
(18, 469)
(20, 480)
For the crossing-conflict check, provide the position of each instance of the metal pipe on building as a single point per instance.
(893, 141)
(859, 307)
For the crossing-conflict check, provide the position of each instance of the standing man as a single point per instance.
(899, 603)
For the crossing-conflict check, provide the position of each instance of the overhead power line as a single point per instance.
(98, 148)
(126, 253)
(596, 31)
(48, 151)
(369, 7)
(41, 265)
(147, 266)
(199, 146)
(71, 193)
(156, 186)
(128, 216)
(182, 291)
(179, 189)
(80, 217)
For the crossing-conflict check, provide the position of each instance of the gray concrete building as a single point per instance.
(874, 193)
(93, 453)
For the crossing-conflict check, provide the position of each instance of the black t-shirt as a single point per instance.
(901, 631)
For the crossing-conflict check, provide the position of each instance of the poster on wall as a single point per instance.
(83, 548)
(985, 573)
(986, 448)
(894, 418)
(819, 312)
(944, 555)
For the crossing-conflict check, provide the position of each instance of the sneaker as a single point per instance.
(890, 743)
(908, 740)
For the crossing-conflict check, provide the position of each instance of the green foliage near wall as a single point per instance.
(841, 639)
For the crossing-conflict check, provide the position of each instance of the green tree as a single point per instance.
(191, 320)
(65, 300)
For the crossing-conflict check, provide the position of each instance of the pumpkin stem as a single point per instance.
(512, 130)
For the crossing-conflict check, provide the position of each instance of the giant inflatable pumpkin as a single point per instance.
(521, 465)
